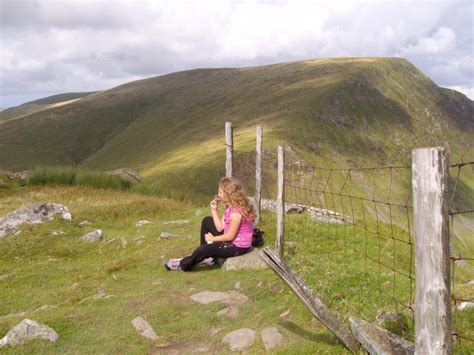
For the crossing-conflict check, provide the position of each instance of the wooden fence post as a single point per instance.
(433, 328)
(229, 159)
(280, 227)
(258, 174)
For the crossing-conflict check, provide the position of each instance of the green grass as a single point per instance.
(70, 176)
(61, 271)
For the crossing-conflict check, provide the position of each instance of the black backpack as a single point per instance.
(257, 238)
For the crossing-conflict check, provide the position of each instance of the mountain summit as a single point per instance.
(351, 111)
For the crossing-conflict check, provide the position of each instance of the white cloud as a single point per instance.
(49, 46)
(442, 40)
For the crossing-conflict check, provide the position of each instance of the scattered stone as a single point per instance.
(251, 260)
(465, 305)
(179, 221)
(240, 339)
(93, 236)
(285, 315)
(6, 276)
(22, 175)
(18, 232)
(115, 277)
(271, 338)
(376, 340)
(85, 223)
(127, 175)
(124, 242)
(100, 295)
(470, 282)
(231, 312)
(32, 214)
(141, 223)
(237, 286)
(228, 298)
(214, 331)
(144, 328)
(165, 235)
(198, 213)
(58, 233)
(26, 330)
(110, 241)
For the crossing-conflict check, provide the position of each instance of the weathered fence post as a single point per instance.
(280, 240)
(258, 174)
(229, 159)
(433, 327)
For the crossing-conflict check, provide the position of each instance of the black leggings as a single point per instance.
(213, 250)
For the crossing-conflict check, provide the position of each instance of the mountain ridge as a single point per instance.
(360, 110)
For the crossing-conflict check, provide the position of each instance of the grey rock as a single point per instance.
(32, 214)
(271, 338)
(55, 233)
(166, 235)
(465, 305)
(228, 298)
(240, 339)
(22, 175)
(213, 331)
(142, 327)
(231, 312)
(127, 175)
(376, 340)
(141, 223)
(26, 330)
(317, 214)
(85, 223)
(6, 276)
(198, 213)
(98, 296)
(93, 236)
(286, 315)
(251, 260)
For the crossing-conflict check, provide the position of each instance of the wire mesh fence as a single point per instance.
(461, 220)
(349, 234)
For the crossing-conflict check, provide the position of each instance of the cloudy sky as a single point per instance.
(49, 46)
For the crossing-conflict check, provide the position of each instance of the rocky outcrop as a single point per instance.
(26, 330)
(251, 260)
(32, 214)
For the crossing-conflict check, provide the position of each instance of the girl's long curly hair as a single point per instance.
(235, 196)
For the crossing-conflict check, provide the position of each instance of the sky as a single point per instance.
(49, 47)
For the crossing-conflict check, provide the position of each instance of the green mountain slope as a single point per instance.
(41, 104)
(347, 111)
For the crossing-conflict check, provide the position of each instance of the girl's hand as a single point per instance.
(214, 204)
(208, 237)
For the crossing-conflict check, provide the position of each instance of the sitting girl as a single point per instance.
(223, 237)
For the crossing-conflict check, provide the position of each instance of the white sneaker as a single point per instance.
(208, 261)
(173, 264)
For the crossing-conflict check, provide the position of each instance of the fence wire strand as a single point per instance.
(348, 234)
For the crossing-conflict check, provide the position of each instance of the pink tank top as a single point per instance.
(243, 239)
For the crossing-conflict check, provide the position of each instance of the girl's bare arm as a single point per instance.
(234, 225)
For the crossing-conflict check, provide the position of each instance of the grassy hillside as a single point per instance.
(350, 111)
(41, 104)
